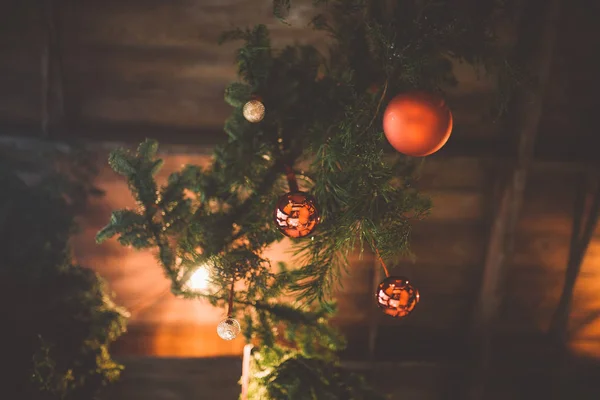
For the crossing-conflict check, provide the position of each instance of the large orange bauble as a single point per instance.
(418, 123)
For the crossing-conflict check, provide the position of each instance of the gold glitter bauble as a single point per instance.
(396, 296)
(254, 111)
(228, 329)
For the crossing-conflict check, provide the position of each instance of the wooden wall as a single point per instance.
(449, 247)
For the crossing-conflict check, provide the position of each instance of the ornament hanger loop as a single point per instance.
(230, 308)
(385, 269)
(291, 178)
(385, 87)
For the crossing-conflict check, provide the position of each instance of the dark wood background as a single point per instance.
(117, 71)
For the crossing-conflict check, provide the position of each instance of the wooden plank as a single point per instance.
(447, 243)
(532, 289)
(455, 205)
(553, 273)
(353, 307)
(434, 312)
(553, 148)
(514, 318)
(149, 378)
(547, 210)
(548, 251)
(532, 309)
(588, 284)
(551, 154)
(439, 173)
(442, 278)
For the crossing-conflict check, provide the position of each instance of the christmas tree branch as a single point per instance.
(319, 110)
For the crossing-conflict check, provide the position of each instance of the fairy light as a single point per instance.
(199, 279)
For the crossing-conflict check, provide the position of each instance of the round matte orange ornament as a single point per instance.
(417, 123)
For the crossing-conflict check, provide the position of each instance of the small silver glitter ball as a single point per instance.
(254, 111)
(228, 329)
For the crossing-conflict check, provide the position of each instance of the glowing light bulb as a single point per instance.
(199, 280)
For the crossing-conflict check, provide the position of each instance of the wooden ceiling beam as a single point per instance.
(584, 225)
(537, 48)
(585, 221)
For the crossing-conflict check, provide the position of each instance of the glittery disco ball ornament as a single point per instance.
(228, 329)
(254, 111)
(396, 296)
(296, 214)
(417, 124)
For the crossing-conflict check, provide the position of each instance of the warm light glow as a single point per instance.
(199, 279)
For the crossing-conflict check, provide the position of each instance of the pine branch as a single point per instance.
(318, 112)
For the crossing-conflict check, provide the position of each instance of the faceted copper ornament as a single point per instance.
(296, 214)
(396, 296)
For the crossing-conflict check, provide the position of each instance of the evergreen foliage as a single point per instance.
(58, 318)
(323, 121)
